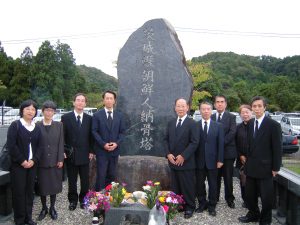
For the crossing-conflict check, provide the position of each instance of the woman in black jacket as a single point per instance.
(23, 143)
(242, 144)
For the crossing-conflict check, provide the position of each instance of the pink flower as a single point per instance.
(149, 182)
(166, 208)
(92, 207)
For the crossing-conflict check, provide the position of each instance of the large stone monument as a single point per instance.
(152, 74)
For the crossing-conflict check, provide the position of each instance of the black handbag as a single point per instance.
(5, 160)
(242, 176)
(69, 150)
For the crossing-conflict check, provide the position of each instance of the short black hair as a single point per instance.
(48, 105)
(79, 94)
(256, 98)
(220, 96)
(187, 102)
(110, 92)
(27, 103)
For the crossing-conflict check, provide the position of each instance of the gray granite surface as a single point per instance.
(152, 73)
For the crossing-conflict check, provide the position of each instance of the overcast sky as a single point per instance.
(96, 29)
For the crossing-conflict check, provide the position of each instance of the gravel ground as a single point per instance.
(225, 215)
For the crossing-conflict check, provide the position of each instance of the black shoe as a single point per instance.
(43, 214)
(30, 222)
(188, 214)
(248, 219)
(212, 211)
(231, 204)
(201, 208)
(72, 206)
(53, 213)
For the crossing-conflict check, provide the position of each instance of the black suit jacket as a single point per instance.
(264, 152)
(229, 125)
(103, 134)
(211, 151)
(80, 139)
(185, 143)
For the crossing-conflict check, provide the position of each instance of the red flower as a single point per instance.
(108, 187)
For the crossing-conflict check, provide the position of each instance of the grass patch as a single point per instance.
(294, 168)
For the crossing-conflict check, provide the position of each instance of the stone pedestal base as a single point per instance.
(136, 170)
(5, 194)
(131, 214)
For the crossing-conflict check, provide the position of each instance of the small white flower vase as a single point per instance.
(95, 220)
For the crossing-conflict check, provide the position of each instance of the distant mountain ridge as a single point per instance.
(240, 77)
(252, 68)
(97, 80)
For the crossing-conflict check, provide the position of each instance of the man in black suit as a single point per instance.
(181, 141)
(209, 157)
(78, 137)
(108, 130)
(262, 163)
(229, 124)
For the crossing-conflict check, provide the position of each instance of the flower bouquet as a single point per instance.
(170, 202)
(98, 203)
(116, 193)
(151, 189)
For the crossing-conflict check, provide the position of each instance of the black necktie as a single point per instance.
(205, 130)
(178, 126)
(255, 129)
(78, 121)
(109, 119)
(219, 117)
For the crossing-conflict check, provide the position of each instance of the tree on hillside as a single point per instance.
(45, 73)
(6, 73)
(201, 74)
(21, 81)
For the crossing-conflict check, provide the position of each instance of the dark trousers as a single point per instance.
(211, 175)
(73, 171)
(263, 188)
(22, 182)
(106, 170)
(227, 172)
(243, 194)
(183, 183)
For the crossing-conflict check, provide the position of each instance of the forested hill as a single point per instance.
(242, 76)
(51, 74)
(96, 80)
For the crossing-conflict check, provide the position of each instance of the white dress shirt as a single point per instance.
(182, 119)
(217, 115)
(81, 116)
(203, 124)
(259, 121)
(106, 111)
(30, 127)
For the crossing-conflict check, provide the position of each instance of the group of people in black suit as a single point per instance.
(207, 149)
(84, 133)
(196, 151)
(39, 150)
